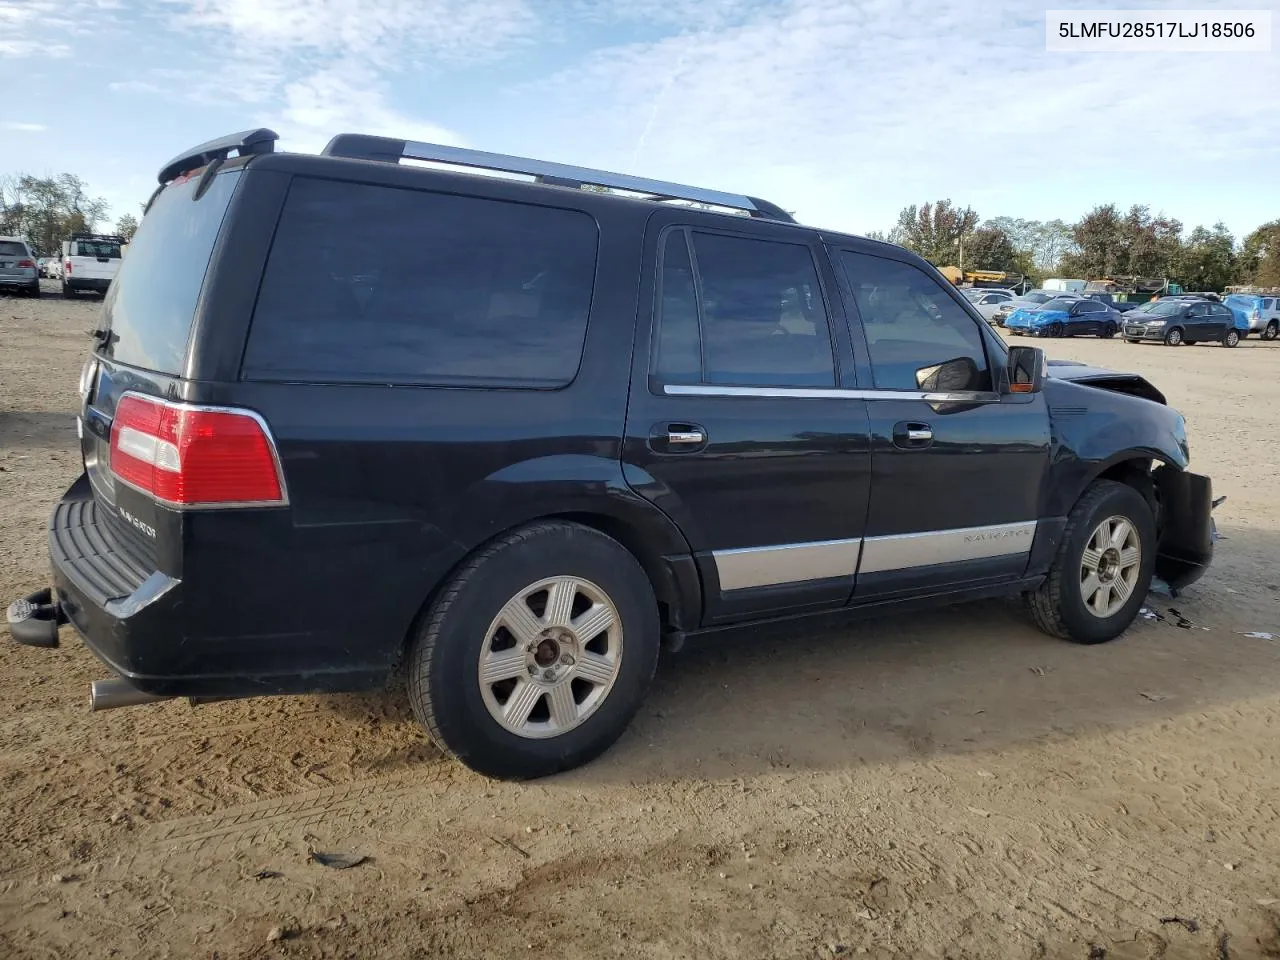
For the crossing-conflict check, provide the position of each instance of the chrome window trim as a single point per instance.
(827, 393)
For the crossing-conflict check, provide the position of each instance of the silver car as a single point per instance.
(988, 300)
(18, 273)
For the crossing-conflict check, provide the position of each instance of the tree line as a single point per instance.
(1105, 242)
(47, 210)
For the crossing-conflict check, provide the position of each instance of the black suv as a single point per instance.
(344, 414)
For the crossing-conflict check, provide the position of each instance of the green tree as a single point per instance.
(990, 248)
(127, 226)
(46, 210)
(1259, 259)
(935, 230)
(1103, 245)
(1040, 243)
(1208, 259)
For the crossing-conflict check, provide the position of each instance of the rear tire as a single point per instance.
(1232, 339)
(1174, 337)
(1272, 331)
(592, 685)
(1069, 604)
(67, 292)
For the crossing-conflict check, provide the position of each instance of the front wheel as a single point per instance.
(536, 655)
(1108, 331)
(1174, 337)
(1057, 330)
(1103, 568)
(1272, 331)
(1232, 338)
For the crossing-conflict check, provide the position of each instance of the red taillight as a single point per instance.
(194, 456)
(26, 263)
(67, 266)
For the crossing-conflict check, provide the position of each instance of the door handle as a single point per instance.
(685, 434)
(677, 437)
(912, 436)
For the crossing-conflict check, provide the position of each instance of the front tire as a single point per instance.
(1174, 337)
(1103, 568)
(1108, 331)
(536, 655)
(1232, 339)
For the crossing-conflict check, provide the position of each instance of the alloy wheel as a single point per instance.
(1110, 566)
(550, 657)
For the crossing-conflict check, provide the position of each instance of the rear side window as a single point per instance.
(754, 316)
(371, 284)
(11, 248)
(912, 326)
(151, 303)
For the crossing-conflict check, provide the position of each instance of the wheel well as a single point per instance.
(650, 559)
(1135, 473)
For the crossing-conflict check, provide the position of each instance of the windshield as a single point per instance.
(98, 248)
(1037, 297)
(1162, 308)
(974, 295)
(152, 303)
(1062, 304)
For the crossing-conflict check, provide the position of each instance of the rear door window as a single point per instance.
(373, 284)
(911, 324)
(754, 315)
(152, 301)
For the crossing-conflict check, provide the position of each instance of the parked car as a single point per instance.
(1066, 317)
(1174, 321)
(1122, 306)
(18, 267)
(1030, 299)
(552, 429)
(1261, 314)
(987, 301)
(90, 262)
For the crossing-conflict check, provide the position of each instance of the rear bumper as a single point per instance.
(88, 283)
(16, 280)
(140, 622)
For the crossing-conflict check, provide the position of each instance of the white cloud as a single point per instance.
(831, 107)
(343, 98)
(19, 49)
(26, 127)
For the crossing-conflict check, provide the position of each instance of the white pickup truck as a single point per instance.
(90, 261)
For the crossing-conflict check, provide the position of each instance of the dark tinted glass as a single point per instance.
(764, 322)
(11, 248)
(369, 284)
(912, 325)
(152, 301)
(97, 248)
(1058, 304)
(679, 342)
(1092, 306)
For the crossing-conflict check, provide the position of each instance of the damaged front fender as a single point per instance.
(1185, 525)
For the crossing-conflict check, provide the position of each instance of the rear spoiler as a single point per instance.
(243, 144)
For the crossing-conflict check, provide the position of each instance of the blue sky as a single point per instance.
(844, 111)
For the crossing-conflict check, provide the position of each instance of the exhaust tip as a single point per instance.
(118, 692)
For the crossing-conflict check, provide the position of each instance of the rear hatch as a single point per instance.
(141, 347)
(95, 259)
(13, 253)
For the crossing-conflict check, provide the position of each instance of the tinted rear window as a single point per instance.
(371, 284)
(10, 248)
(97, 248)
(152, 301)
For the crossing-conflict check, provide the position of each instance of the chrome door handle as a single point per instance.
(920, 435)
(685, 436)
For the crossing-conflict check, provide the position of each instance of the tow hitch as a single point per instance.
(34, 620)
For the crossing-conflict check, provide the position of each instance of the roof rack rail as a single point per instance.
(108, 237)
(244, 143)
(356, 146)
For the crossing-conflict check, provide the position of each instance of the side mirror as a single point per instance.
(1026, 369)
(949, 376)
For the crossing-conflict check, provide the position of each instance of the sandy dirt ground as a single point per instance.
(952, 785)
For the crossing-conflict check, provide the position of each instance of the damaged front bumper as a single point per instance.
(1186, 528)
